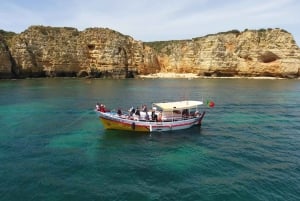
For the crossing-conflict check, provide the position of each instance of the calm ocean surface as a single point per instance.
(53, 147)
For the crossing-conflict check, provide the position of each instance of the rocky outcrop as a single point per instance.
(271, 52)
(100, 52)
(6, 61)
(96, 52)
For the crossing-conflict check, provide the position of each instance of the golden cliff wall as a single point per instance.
(6, 65)
(100, 52)
(6, 61)
(271, 52)
(97, 52)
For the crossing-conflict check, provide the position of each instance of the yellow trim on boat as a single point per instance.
(110, 124)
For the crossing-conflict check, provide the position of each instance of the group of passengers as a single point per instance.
(135, 113)
(101, 107)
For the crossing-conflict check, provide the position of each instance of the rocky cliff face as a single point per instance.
(271, 52)
(97, 52)
(6, 61)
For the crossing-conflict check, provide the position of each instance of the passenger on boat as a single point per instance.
(131, 111)
(102, 108)
(98, 107)
(153, 116)
(159, 118)
(119, 112)
(185, 113)
(137, 115)
(144, 109)
(137, 111)
(147, 118)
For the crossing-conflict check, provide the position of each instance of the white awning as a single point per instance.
(169, 106)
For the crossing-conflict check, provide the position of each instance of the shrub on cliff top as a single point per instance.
(7, 34)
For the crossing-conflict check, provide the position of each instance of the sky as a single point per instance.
(154, 20)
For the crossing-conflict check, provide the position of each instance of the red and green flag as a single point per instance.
(210, 103)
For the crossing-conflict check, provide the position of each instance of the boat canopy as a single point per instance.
(170, 106)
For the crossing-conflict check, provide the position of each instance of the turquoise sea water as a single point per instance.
(53, 147)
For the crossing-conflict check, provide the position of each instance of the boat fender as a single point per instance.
(133, 126)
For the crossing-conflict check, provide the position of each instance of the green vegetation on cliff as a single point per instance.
(6, 34)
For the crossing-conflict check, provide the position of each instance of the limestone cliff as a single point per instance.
(271, 52)
(6, 65)
(97, 52)
(100, 52)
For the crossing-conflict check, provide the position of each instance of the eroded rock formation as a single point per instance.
(97, 52)
(6, 65)
(100, 52)
(271, 52)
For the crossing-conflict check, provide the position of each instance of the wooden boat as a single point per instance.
(165, 116)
